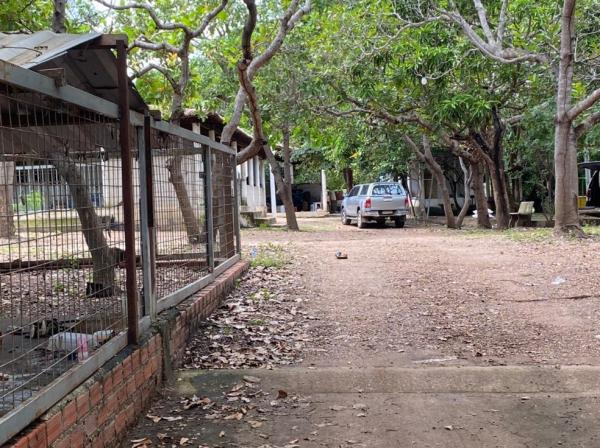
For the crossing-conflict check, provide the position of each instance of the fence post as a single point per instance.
(128, 202)
(236, 204)
(208, 203)
(147, 216)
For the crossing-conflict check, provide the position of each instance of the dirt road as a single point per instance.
(422, 337)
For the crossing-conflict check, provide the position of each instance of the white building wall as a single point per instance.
(253, 195)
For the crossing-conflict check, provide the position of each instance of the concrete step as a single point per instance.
(255, 218)
(268, 220)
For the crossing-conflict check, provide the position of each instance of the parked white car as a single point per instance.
(376, 202)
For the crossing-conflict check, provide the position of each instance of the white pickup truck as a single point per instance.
(375, 202)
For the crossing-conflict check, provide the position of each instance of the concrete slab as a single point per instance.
(416, 407)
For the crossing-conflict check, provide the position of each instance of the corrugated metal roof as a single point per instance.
(86, 68)
(30, 50)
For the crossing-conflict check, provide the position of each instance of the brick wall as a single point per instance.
(99, 412)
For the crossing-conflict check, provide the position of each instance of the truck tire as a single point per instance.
(345, 219)
(400, 221)
(360, 222)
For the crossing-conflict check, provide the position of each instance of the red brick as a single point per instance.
(64, 442)
(121, 422)
(130, 386)
(77, 439)
(139, 379)
(107, 385)
(95, 394)
(148, 372)
(108, 410)
(109, 434)
(54, 428)
(37, 437)
(22, 442)
(144, 354)
(69, 414)
(127, 368)
(117, 376)
(137, 401)
(90, 424)
(130, 413)
(98, 442)
(136, 362)
(83, 405)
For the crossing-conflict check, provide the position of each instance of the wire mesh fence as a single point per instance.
(223, 204)
(61, 242)
(180, 231)
(63, 292)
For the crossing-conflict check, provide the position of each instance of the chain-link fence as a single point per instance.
(64, 261)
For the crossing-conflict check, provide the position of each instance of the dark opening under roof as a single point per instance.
(590, 165)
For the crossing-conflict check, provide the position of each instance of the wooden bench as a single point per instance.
(522, 218)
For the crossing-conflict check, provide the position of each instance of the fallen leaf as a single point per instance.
(183, 441)
(154, 418)
(337, 408)
(255, 424)
(281, 394)
(251, 379)
(172, 419)
(139, 443)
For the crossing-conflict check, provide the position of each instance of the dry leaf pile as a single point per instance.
(260, 324)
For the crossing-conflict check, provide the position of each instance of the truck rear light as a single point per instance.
(368, 203)
(406, 202)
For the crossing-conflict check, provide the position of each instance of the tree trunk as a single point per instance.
(348, 178)
(286, 197)
(566, 218)
(104, 258)
(282, 192)
(58, 18)
(467, 176)
(7, 177)
(441, 181)
(498, 178)
(477, 185)
(190, 221)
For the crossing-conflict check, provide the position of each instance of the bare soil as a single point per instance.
(405, 300)
(479, 296)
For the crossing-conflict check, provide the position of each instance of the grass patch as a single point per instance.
(528, 235)
(257, 322)
(269, 255)
(531, 234)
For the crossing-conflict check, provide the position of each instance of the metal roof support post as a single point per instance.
(128, 202)
(236, 203)
(147, 229)
(208, 203)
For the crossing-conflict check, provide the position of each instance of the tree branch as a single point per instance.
(587, 124)
(151, 46)
(502, 23)
(482, 14)
(490, 47)
(288, 21)
(158, 68)
(151, 12)
(583, 105)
